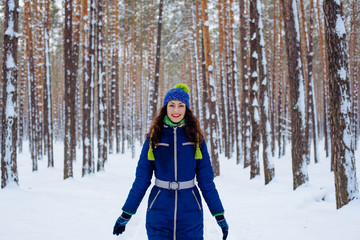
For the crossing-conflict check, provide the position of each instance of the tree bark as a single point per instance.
(297, 101)
(253, 92)
(269, 169)
(88, 88)
(9, 115)
(69, 97)
(155, 91)
(48, 125)
(342, 150)
(101, 91)
(244, 79)
(210, 90)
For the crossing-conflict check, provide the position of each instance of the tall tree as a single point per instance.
(244, 79)
(101, 90)
(38, 37)
(297, 99)
(69, 96)
(354, 69)
(223, 106)
(30, 75)
(113, 74)
(9, 78)
(324, 67)
(269, 169)
(75, 56)
(48, 125)
(253, 91)
(116, 64)
(342, 150)
(88, 87)
(151, 64)
(154, 90)
(210, 89)
(235, 88)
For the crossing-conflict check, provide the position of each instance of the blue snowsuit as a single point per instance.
(174, 214)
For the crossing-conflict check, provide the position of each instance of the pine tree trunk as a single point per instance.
(235, 88)
(324, 68)
(297, 101)
(101, 91)
(346, 187)
(269, 169)
(76, 50)
(23, 79)
(354, 64)
(88, 91)
(114, 73)
(198, 62)
(69, 97)
(30, 68)
(304, 54)
(210, 90)
(155, 91)
(311, 97)
(48, 125)
(253, 89)
(244, 79)
(38, 67)
(117, 84)
(9, 117)
(222, 76)
(134, 108)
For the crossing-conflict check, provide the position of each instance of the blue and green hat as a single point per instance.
(180, 93)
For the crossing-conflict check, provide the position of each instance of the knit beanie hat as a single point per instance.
(180, 93)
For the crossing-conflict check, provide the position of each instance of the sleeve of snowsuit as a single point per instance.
(205, 178)
(142, 181)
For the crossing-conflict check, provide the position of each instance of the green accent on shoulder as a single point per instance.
(183, 87)
(128, 213)
(167, 121)
(218, 214)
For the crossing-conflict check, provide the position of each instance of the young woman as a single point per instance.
(176, 152)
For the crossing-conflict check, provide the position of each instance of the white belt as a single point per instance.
(174, 185)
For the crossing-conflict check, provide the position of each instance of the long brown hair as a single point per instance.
(192, 126)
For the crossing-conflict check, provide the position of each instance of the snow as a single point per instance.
(296, 18)
(340, 26)
(342, 73)
(44, 206)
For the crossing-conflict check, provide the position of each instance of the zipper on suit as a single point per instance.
(152, 203)
(176, 191)
(196, 200)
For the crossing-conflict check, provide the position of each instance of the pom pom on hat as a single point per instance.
(183, 87)
(180, 93)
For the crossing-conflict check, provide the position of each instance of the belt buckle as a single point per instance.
(174, 185)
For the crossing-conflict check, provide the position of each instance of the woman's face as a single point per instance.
(176, 110)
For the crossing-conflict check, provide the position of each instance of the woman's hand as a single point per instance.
(221, 221)
(120, 223)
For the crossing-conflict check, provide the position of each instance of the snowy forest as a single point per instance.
(264, 76)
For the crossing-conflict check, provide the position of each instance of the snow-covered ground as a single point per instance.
(44, 206)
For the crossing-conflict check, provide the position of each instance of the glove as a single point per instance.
(221, 221)
(120, 223)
